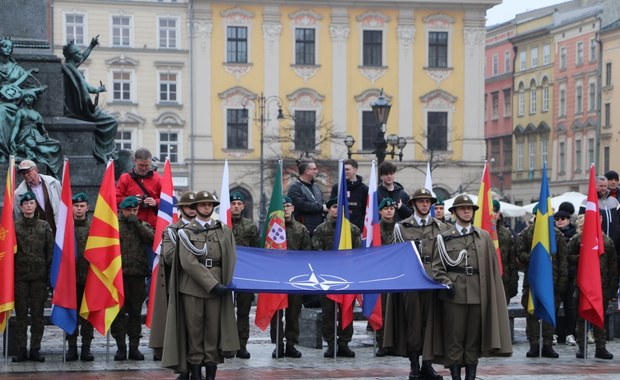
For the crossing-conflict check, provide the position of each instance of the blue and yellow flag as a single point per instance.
(540, 272)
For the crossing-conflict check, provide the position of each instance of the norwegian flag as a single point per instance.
(166, 215)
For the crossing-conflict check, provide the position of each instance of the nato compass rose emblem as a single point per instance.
(312, 281)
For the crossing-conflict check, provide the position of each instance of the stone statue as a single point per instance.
(30, 139)
(79, 105)
(13, 78)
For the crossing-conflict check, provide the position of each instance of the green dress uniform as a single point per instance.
(510, 276)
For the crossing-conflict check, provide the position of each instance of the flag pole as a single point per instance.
(107, 347)
(279, 319)
(585, 339)
(64, 346)
(540, 337)
(335, 327)
(374, 343)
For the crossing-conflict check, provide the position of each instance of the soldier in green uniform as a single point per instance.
(134, 235)
(323, 239)
(35, 247)
(407, 313)
(559, 263)
(440, 211)
(82, 226)
(297, 239)
(200, 325)
(246, 235)
(473, 306)
(510, 276)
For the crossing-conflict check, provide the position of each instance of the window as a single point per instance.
(121, 85)
(533, 98)
(591, 97)
(546, 54)
(438, 49)
(545, 99)
(606, 159)
(607, 114)
(562, 111)
(507, 61)
(305, 129)
(437, 131)
(521, 110)
(369, 130)
(562, 58)
(495, 100)
(495, 64)
(592, 50)
(74, 28)
(167, 33)
(304, 46)
(522, 60)
(373, 48)
(169, 146)
(608, 74)
(532, 155)
(507, 103)
(168, 87)
(562, 158)
(520, 155)
(237, 44)
(237, 128)
(123, 140)
(578, 153)
(591, 150)
(579, 53)
(507, 149)
(121, 31)
(544, 149)
(534, 57)
(578, 98)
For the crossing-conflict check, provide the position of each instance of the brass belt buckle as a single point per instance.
(469, 271)
(209, 263)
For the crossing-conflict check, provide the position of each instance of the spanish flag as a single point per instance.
(8, 248)
(103, 293)
(484, 217)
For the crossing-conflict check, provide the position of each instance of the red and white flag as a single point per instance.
(225, 212)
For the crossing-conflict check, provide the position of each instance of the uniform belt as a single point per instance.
(469, 271)
(209, 263)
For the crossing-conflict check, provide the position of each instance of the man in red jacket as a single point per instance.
(143, 183)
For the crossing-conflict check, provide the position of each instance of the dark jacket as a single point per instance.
(399, 193)
(134, 235)
(35, 247)
(357, 197)
(81, 235)
(308, 201)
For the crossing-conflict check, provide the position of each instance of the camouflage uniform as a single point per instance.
(134, 235)
(560, 277)
(510, 276)
(323, 239)
(246, 235)
(297, 239)
(35, 245)
(387, 237)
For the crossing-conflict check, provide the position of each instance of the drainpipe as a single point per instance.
(599, 96)
(192, 156)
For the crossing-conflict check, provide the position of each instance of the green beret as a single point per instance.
(331, 202)
(27, 196)
(80, 197)
(236, 196)
(129, 202)
(286, 200)
(535, 209)
(496, 205)
(440, 202)
(387, 202)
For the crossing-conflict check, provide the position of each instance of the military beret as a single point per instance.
(286, 200)
(331, 202)
(129, 202)
(535, 209)
(27, 196)
(496, 205)
(387, 202)
(440, 202)
(80, 197)
(236, 196)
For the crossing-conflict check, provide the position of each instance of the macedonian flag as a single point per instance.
(8, 247)
(103, 293)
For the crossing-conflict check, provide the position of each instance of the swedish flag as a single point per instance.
(540, 272)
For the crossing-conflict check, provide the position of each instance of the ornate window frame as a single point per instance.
(305, 19)
(169, 67)
(238, 98)
(65, 37)
(440, 101)
(237, 17)
(177, 30)
(307, 99)
(373, 20)
(363, 102)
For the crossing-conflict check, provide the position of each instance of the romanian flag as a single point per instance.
(166, 214)
(589, 270)
(273, 237)
(62, 277)
(103, 293)
(225, 213)
(8, 248)
(540, 270)
(484, 217)
(343, 240)
(371, 237)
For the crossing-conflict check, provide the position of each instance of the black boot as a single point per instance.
(602, 353)
(414, 360)
(428, 372)
(85, 355)
(345, 351)
(195, 371)
(470, 371)
(455, 372)
(22, 355)
(183, 376)
(243, 353)
(35, 356)
(533, 352)
(278, 352)
(121, 353)
(135, 354)
(72, 354)
(292, 352)
(329, 353)
(548, 352)
(211, 370)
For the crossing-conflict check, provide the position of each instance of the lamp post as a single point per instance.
(381, 109)
(261, 117)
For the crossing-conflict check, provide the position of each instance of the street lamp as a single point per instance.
(261, 117)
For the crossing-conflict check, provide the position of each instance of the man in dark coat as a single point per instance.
(510, 276)
(307, 196)
(389, 188)
(357, 193)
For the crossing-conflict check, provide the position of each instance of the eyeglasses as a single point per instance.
(561, 218)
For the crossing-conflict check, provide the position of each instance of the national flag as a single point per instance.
(63, 276)
(342, 241)
(589, 269)
(103, 293)
(371, 304)
(225, 212)
(273, 237)
(8, 248)
(166, 215)
(428, 185)
(540, 270)
(484, 216)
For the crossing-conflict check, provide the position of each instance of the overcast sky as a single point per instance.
(509, 8)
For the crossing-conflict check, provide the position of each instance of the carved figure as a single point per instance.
(79, 105)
